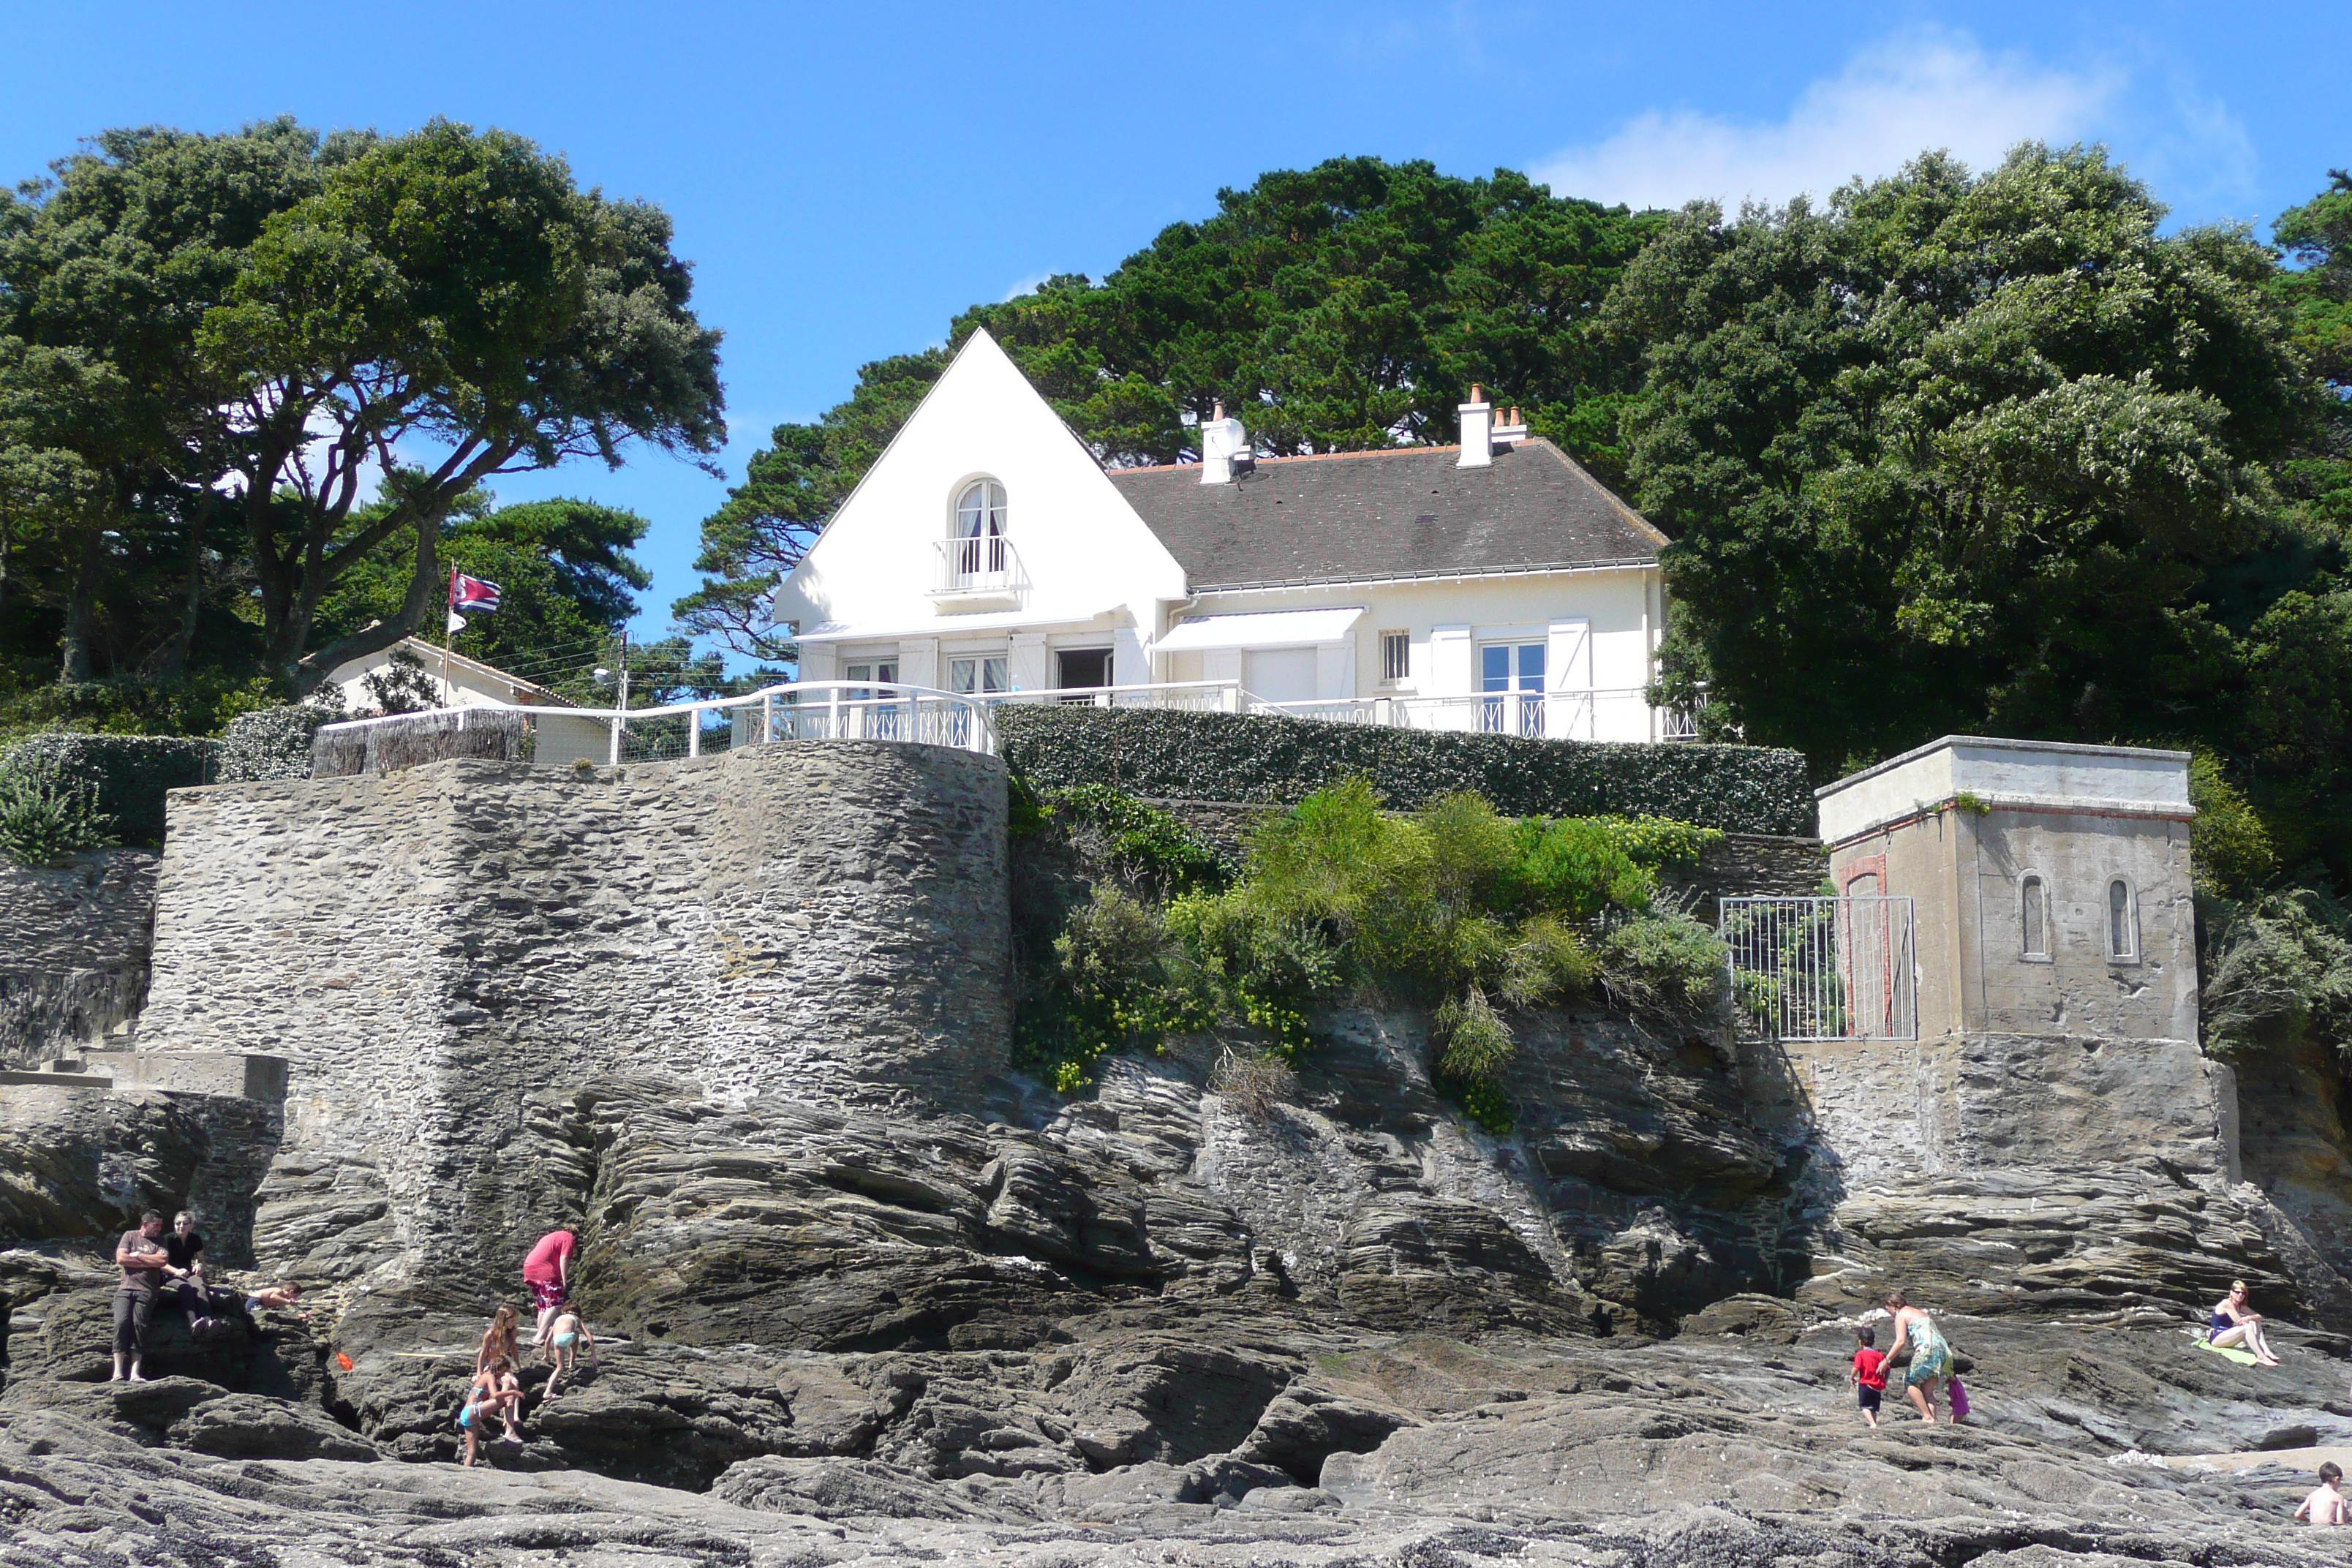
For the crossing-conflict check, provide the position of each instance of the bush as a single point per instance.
(275, 743)
(2279, 975)
(45, 817)
(1668, 969)
(2230, 845)
(1239, 757)
(127, 775)
(1477, 1046)
(1145, 844)
(1253, 1082)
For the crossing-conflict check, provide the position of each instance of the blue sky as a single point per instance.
(847, 178)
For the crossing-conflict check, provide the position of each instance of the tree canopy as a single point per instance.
(236, 370)
(1984, 453)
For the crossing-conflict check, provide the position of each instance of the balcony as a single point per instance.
(978, 574)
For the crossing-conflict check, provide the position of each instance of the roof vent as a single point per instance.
(1478, 430)
(1226, 449)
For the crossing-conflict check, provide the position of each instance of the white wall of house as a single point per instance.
(1599, 631)
(1090, 573)
(461, 682)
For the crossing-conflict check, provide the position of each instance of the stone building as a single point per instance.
(2049, 882)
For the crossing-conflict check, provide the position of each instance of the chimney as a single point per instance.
(1224, 448)
(1478, 430)
(1511, 432)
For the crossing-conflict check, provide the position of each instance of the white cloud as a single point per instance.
(1896, 99)
(1028, 285)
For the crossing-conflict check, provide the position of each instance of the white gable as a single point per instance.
(1081, 549)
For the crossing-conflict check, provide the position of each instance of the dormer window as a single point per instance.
(978, 566)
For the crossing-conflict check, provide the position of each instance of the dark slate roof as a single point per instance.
(1357, 517)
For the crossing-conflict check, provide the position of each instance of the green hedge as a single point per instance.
(1230, 756)
(130, 773)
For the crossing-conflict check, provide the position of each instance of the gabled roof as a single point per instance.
(1355, 517)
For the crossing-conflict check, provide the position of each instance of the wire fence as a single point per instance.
(1822, 968)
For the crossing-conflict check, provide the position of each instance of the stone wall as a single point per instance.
(74, 943)
(428, 949)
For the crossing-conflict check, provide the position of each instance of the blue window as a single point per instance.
(1511, 675)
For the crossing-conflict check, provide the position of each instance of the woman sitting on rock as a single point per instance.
(498, 1370)
(1931, 1358)
(2234, 1325)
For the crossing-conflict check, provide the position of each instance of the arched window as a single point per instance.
(2123, 922)
(980, 510)
(2033, 911)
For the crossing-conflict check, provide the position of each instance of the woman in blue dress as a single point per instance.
(1931, 1357)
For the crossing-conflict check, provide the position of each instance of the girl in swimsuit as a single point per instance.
(565, 1335)
(2234, 1325)
(498, 1368)
(1931, 1358)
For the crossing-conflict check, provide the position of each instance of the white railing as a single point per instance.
(1537, 715)
(983, 563)
(1821, 969)
(795, 711)
(1186, 696)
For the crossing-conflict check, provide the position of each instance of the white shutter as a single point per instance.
(1568, 665)
(1449, 661)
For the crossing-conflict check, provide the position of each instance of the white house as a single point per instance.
(1492, 585)
(456, 681)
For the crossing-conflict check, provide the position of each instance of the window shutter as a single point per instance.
(1567, 662)
(1449, 661)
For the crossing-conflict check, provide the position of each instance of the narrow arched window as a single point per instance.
(980, 510)
(2033, 908)
(2123, 922)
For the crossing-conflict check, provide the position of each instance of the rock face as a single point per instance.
(429, 949)
(74, 942)
(867, 1296)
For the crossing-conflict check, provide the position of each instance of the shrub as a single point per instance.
(1144, 843)
(1118, 978)
(1229, 756)
(1253, 1082)
(1475, 1045)
(2230, 845)
(45, 817)
(1548, 963)
(127, 775)
(275, 743)
(1668, 969)
(2279, 975)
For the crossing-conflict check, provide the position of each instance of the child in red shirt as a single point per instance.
(1869, 1374)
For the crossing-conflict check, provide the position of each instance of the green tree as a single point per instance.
(568, 578)
(450, 292)
(1958, 452)
(1349, 305)
(109, 536)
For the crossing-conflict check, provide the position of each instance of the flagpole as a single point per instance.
(448, 636)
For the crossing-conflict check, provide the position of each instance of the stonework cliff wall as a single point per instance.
(428, 949)
(73, 951)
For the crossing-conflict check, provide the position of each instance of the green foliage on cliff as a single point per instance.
(47, 815)
(2278, 975)
(125, 775)
(1229, 756)
(1452, 908)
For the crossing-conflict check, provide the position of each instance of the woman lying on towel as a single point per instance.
(2233, 1325)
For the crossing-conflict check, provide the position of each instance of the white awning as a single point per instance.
(1273, 629)
(949, 626)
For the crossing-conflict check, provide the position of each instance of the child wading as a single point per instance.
(2327, 1505)
(1869, 1374)
(561, 1352)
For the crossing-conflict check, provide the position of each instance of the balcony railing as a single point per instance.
(978, 572)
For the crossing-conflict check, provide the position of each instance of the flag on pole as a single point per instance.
(468, 594)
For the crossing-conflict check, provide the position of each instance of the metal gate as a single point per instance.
(1822, 969)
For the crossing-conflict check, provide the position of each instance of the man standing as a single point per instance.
(547, 1275)
(142, 1259)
